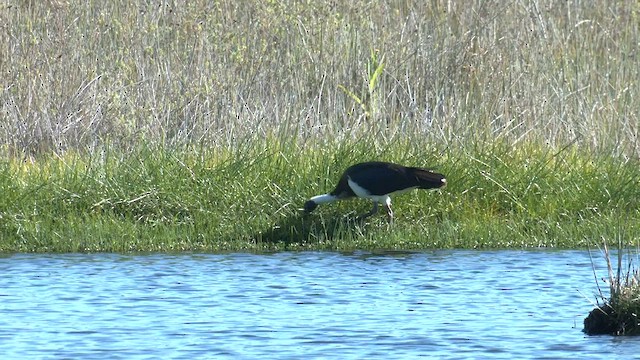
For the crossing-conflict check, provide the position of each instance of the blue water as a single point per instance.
(311, 305)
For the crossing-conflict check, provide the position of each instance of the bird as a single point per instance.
(377, 181)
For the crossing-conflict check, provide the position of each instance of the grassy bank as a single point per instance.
(200, 125)
(203, 200)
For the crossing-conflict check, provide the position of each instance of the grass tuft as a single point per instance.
(617, 314)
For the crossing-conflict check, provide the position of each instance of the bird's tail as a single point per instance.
(428, 179)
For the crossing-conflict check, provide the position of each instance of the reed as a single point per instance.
(81, 75)
(617, 313)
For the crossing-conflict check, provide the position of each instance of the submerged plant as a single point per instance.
(618, 314)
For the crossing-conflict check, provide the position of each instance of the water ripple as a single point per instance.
(442, 304)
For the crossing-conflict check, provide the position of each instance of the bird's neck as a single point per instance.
(324, 198)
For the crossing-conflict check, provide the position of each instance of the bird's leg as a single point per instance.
(389, 212)
(373, 210)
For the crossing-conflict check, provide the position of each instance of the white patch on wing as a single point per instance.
(357, 189)
(364, 193)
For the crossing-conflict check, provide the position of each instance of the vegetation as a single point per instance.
(204, 125)
(618, 313)
(208, 200)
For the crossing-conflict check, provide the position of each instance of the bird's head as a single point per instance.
(309, 206)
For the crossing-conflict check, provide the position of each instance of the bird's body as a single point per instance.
(377, 180)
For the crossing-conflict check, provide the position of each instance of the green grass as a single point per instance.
(204, 200)
(204, 125)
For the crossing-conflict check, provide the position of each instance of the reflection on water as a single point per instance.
(443, 304)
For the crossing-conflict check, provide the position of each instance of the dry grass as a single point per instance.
(78, 75)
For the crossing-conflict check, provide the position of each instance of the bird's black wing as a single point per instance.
(381, 178)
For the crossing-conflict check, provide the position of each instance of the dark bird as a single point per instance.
(377, 180)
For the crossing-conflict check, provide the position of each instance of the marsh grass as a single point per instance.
(154, 199)
(81, 75)
(141, 126)
(616, 313)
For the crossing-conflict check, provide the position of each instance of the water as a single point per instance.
(443, 304)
